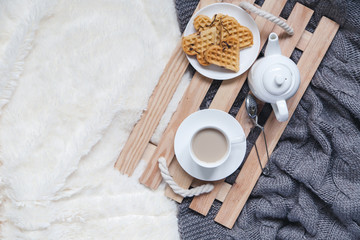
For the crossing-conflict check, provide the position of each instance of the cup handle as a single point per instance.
(280, 110)
(237, 140)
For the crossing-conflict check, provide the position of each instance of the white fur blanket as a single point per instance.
(74, 79)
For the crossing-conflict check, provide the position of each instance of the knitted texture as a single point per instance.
(314, 188)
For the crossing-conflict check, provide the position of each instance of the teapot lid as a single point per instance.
(277, 79)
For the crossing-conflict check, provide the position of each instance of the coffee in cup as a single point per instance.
(210, 146)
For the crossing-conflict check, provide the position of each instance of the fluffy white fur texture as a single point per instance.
(74, 79)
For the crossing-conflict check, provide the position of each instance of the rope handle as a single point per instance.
(268, 16)
(176, 188)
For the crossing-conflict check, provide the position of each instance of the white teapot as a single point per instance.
(274, 78)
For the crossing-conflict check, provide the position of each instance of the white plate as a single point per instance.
(247, 56)
(201, 119)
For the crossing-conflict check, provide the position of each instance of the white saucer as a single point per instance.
(247, 56)
(198, 120)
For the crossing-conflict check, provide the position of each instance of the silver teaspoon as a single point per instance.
(251, 109)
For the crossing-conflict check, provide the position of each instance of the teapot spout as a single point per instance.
(273, 46)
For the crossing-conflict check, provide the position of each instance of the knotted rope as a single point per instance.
(268, 16)
(176, 188)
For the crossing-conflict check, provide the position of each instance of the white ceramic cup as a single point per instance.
(220, 161)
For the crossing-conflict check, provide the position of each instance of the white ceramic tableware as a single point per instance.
(247, 56)
(219, 120)
(274, 78)
(212, 148)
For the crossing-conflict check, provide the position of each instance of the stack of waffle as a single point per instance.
(217, 41)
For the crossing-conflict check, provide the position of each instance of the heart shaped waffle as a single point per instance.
(202, 22)
(197, 43)
(225, 55)
(217, 41)
(231, 28)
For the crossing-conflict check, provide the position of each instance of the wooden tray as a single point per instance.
(233, 197)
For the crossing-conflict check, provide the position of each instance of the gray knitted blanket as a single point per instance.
(314, 190)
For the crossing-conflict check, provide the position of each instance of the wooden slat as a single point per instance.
(180, 177)
(203, 203)
(244, 119)
(149, 151)
(223, 100)
(246, 180)
(144, 129)
(222, 193)
(224, 190)
(159, 100)
(304, 40)
(189, 103)
(199, 85)
(227, 93)
(298, 19)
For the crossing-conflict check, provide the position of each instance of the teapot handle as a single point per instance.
(280, 110)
